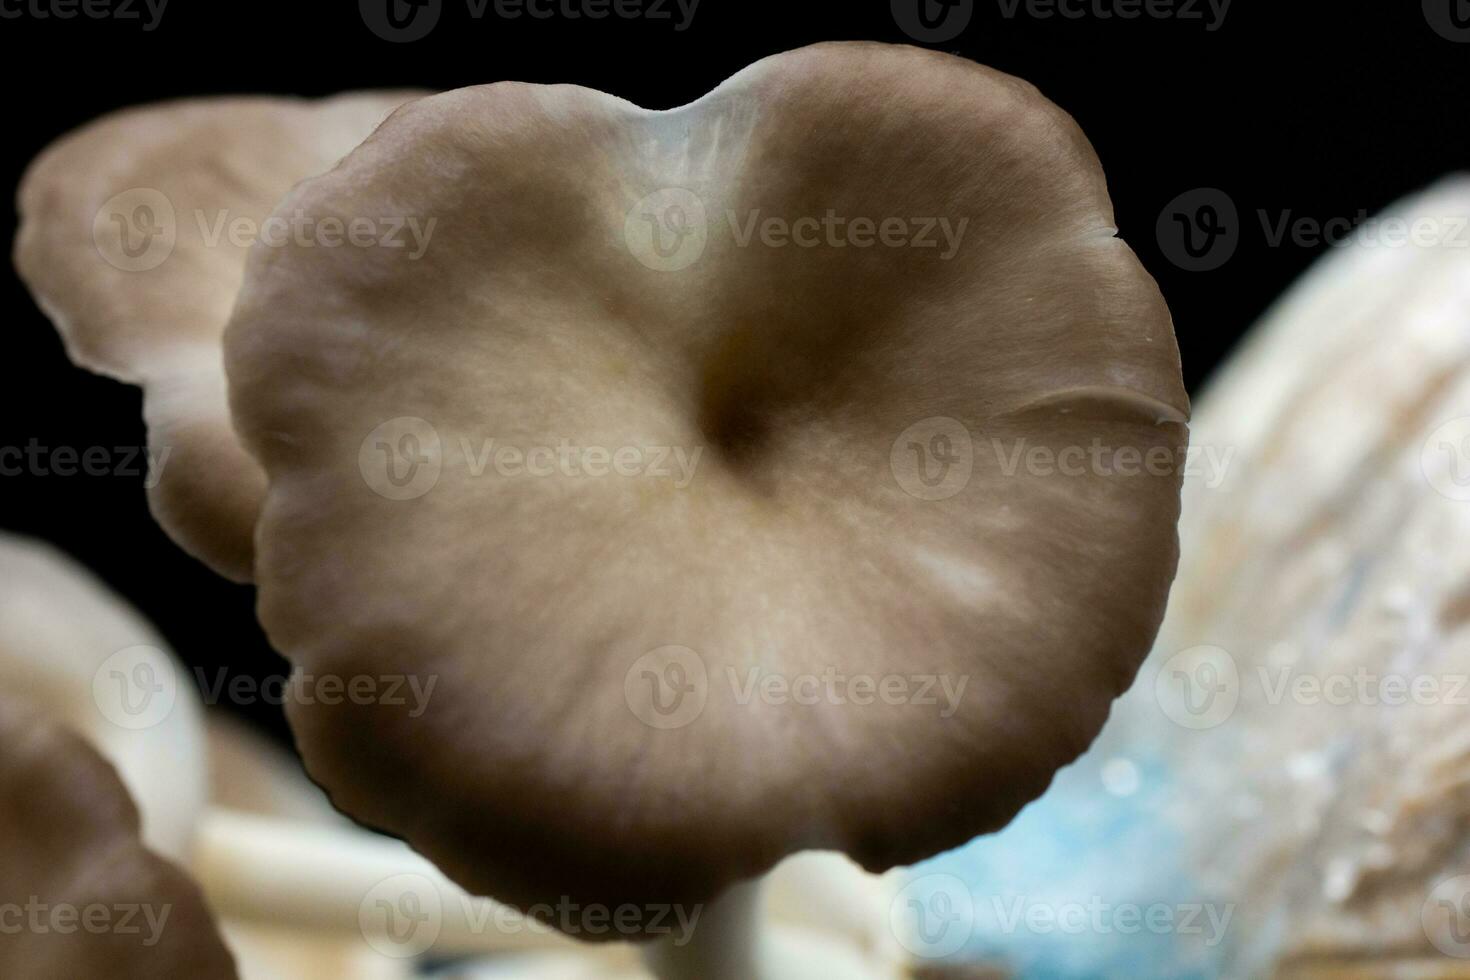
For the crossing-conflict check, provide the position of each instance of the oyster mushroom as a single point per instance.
(133, 236)
(83, 896)
(591, 284)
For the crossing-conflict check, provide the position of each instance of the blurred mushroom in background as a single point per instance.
(1332, 572)
(133, 236)
(1290, 772)
(80, 895)
(78, 658)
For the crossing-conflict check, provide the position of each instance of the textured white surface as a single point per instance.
(1333, 567)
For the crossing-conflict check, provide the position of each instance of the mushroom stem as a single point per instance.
(725, 943)
(288, 873)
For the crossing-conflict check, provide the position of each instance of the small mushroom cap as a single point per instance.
(92, 900)
(73, 649)
(606, 652)
(133, 236)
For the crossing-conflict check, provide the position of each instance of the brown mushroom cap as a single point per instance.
(539, 604)
(89, 899)
(66, 642)
(149, 308)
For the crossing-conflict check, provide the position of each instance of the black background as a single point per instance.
(1320, 109)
